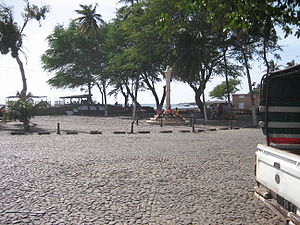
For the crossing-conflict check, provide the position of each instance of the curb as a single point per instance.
(95, 132)
(166, 131)
(72, 132)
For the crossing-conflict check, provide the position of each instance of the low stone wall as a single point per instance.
(92, 110)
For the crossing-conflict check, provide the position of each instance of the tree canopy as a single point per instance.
(11, 34)
(220, 91)
(198, 39)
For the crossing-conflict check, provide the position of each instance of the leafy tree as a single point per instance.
(73, 57)
(246, 15)
(12, 35)
(129, 1)
(151, 55)
(121, 68)
(131, 56)
(88, 22)
(197, 47)
(221, 90)
(22, 110)
(245, 48)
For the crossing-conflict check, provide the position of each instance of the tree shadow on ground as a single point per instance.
(235, 122)
(18, 127)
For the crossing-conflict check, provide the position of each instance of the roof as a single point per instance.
(28, 97)
(77, 96)
(288, 71)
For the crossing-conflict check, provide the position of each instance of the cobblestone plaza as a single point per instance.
(143, 178)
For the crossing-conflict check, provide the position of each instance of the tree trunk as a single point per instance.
(102, 95)
(24, 89)
(198, 92)
(250, 88)
(160, 106)
(125, 97)
(132, 95)
(104, 92)
(152, 89)
(26, 126)
(226, 77)
(90, 93)
(134, 113)
(198, 101)
(204, 109)
(265, 55)
(266, 38)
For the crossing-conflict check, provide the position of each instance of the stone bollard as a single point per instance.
(131, 131)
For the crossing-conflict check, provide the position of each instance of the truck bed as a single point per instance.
(278, 173)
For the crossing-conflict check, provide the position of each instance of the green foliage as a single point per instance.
(20, 110)
(42, 104)
(198, 39)
(89, 19)
(73, 56)
(135, 49)
(220, 91)
(11, 34)
(35, 12)
(76, 52)
(252, 15)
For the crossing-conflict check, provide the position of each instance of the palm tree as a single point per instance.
(128, 1)
(274, 66)
(89, 19)
(88, 25)
(290, 64)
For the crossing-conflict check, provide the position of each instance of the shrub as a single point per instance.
(20, 110)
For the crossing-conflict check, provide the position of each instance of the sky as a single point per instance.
(62, 12)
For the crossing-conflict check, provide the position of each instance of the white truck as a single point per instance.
(277, 168)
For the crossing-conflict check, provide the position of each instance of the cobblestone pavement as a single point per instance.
(156, 178)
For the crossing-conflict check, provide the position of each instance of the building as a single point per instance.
(243, 101)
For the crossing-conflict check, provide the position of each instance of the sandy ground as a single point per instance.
(142, 178)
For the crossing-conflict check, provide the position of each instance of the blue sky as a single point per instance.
(61, 13)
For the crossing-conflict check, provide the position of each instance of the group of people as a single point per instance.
(218, 111)
(168, 112)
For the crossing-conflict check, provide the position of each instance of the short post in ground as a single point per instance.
(131, 131)
(58, 128)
